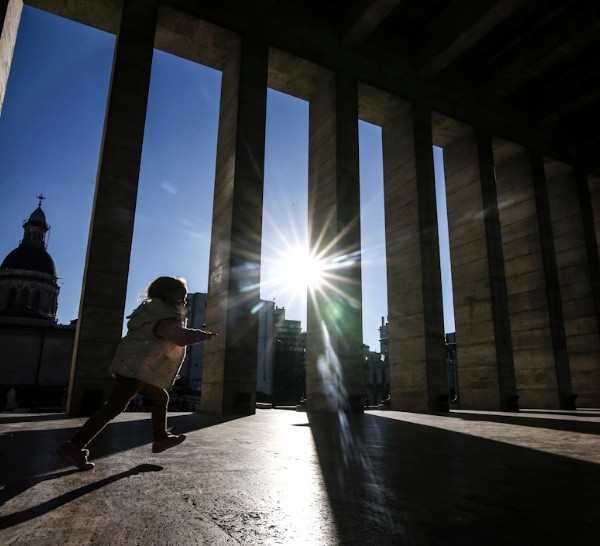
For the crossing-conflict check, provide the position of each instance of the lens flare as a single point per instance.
(299, 269)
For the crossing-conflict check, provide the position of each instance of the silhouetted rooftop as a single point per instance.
(29, 258)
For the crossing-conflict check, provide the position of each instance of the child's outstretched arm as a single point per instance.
(173, 330)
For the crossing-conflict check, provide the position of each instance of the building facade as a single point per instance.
(189, 386)
(377, 369)
(35, 351)
(452, 367)
(266, 351)
(28, 277)
(289, 361)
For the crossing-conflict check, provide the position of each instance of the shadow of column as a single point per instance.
(390, 481)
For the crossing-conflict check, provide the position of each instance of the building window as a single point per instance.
(24, 299)
(12, 296)
(36, 299)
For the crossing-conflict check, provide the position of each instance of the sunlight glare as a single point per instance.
(300, 270)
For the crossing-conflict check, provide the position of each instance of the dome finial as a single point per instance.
(40, 197)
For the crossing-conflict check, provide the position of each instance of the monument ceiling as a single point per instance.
(526, 70)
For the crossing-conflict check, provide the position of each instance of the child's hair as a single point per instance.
(171, 290)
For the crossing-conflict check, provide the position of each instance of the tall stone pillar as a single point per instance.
(484, 350)
(107, 263)
(570, 222)
(418, 378)
(555, 307)
(334, 376)
(594, 190)
(10, 17)
(590, 225)
(229, 374)
(539, 350)
(593, 232)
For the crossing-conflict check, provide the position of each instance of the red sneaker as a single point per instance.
(77, 457)
(168, 442)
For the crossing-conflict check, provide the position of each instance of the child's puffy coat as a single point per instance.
(144, 356)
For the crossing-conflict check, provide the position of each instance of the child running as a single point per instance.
(147, 361)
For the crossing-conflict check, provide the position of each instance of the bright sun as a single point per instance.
(299, 269)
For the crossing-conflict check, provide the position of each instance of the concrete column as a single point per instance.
(591, 238)
(107, 263)
(570, 222)
(593, 234)
(10, 17)
(539, 350)
(229, 374)
(418, 376)
(497, 274)
(557, 323)
(483, 341)
(334, 376)
(594, 190)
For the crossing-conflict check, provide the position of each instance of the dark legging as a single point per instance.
(125, 389)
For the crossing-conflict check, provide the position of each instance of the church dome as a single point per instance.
(28, 280)
(38, 217)
(29, 258)
(31, 254)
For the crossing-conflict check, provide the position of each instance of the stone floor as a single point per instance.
(291, 478)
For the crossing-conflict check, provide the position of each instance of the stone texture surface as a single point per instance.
(111, 232)
(534, 356)
(486, 374)
(576, 282)
(291, 478)
(229, 373)
(10, 17)
(334, 311)
(415, 314)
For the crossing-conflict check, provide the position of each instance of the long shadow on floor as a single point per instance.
(28, 457)
(8, 418)
(570, 425)
(394, 482)
(43, 508)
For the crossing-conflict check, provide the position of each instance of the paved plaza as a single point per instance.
(292, 478)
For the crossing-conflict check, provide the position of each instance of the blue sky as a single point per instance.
(50, 133)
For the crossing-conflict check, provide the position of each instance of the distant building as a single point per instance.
(35, 351)
(451, 366)
(28, 280)
(376, 377)
(266, 333)
(190, 382)
(289, 360)
(377, 369)
(189, 385)
(384, 339)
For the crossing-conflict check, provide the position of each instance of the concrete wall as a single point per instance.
(35, 354)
